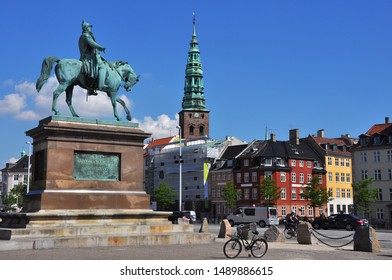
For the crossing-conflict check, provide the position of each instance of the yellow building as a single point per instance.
(338, 164)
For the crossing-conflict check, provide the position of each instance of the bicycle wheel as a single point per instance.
(259, 247)
(232, 248)
(287, 233)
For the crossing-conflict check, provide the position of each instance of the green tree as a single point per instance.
(164, 196)
(230, 194)
(316, 194)
(15, 197)
(364, 196)
(269, 192)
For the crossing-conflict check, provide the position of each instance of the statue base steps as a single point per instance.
(77, 229)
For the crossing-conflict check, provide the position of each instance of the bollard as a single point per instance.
(365, 239)
(274, 234)
(204, 226)
(304, 233)
(225, 229)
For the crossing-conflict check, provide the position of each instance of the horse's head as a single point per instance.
(128, 76)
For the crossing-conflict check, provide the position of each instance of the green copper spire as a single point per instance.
(194, 86)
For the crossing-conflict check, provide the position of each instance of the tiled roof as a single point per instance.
(380, 128)
(160, 142)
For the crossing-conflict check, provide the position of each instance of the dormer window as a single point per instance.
(377, 140)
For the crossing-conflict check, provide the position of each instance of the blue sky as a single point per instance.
(283, 64)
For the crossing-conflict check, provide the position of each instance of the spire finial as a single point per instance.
(194, 18)
(194, 25)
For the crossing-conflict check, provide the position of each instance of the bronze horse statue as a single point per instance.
(69, 74)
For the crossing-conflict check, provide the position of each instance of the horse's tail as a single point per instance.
(47, 66)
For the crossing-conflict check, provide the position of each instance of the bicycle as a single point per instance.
(258, 246)
(289, 231)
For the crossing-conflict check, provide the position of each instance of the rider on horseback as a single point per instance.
(94, 65)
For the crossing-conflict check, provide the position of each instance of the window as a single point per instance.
(364, 174)
(16, 177)
(294, 209)
(161, 175)
(337, 192)
(293, 177)
(377, 175)
(191, 130)
(329, 176)
(376, 156)
(336, 161)
(283, 176)
(379, 194)
(329, 161)
(380, 213)
(238, 178)
(309, 164)
(246, 162)
(342, 177)
(254, 176)
(201, 130)
(342, 162)
(246, 177)
(293, 162)
(293, 195)
(348, 193)
(284, 213)
(389, 174)
(268, 174)
(343, 193)
(389, 156)
(301, 178)
(309, 178)
(363, 157)
(390, 194)
(348, 178)
(283, 193)
(330, 192)
(310, 211)
(348, 163)
(331, 209)
(301, 194)
(302, 211)
(301, 163)
(254, 194)
(246, 194)
(320, 179)
(337, 176)
(268, 162)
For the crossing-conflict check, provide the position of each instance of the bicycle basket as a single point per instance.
(243, 230)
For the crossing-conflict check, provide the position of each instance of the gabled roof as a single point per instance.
(233, 151)
(384, 128)
(161, 142)
(21, 166)
(339, 142)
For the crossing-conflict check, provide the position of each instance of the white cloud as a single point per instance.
(12, 160)
(160, 128)
(12, 104)
(26, 88)
(27, 116)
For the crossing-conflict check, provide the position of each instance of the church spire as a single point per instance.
(194, 118)
(194, 84)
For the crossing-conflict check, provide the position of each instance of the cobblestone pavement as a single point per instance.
(214, 251)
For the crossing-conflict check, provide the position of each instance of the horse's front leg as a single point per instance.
(56, 95)
(69, 93)
(119, 100)
(113, 98)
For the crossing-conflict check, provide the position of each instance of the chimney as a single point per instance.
(294, 136)
(320, 133)
(273, 137)
(387, 120)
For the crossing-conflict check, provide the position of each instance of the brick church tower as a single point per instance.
(194, 117)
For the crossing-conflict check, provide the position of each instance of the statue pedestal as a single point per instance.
(87, 191)
(86, 164)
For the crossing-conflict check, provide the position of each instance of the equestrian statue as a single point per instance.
(92, 72)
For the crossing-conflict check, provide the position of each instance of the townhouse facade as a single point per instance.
(290, 164)
(372, 158)
(338, 164)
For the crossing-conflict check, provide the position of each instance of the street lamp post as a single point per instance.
(180, 172)
(28, 168)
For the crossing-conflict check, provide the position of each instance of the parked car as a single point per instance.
(179, 214)
(339, 221)
(191, 214)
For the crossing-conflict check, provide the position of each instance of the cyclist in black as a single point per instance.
(292, 220)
